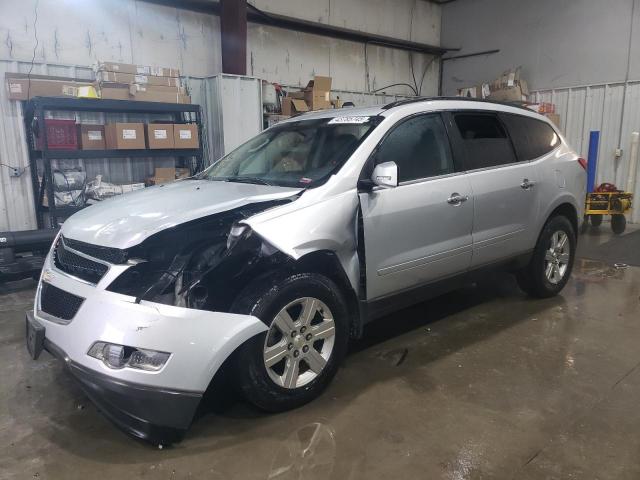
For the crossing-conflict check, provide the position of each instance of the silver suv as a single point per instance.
(268, 262)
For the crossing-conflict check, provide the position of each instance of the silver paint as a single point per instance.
(129, 219)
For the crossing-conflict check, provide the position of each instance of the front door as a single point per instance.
(419, 231)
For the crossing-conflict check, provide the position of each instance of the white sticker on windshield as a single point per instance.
(349, 120)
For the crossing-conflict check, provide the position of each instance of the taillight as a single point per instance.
(582, 162)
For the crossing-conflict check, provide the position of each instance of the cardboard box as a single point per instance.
(159, 135)
(137, 69)
(162, 175)
(319, 84)
(182, 173)
(141, 79)
(138, 87)
(92, 137)
(186, 135)
(291, 106)
(509, 94)
(317, 100)
(114, 91)
(123, 136)
(509, 87)
(317, 92)
(158, 96)
(298, 95)
(122, 91)
(22, 87)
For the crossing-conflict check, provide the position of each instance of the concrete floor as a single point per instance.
(480, 383)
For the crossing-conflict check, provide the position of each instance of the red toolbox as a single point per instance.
(61, 135)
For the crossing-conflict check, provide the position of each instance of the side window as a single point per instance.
(532, 138)
(420, 148)
(485, 141)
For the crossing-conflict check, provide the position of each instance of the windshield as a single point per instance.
(294, 154)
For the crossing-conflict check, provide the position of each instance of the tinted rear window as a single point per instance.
(485, 140)
(531, 138)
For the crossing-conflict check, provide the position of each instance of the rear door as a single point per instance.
(416, 232)
(504, 188)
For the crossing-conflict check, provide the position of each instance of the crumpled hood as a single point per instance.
(127, 220)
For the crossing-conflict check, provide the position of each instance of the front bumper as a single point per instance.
(157, 415)
(148, 404)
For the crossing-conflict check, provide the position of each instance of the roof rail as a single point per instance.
(409, 101)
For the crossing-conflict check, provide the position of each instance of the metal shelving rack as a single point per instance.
(35, 111)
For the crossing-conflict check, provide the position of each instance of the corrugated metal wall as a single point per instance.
(611, 108)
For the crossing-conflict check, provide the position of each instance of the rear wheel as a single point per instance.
(297, 357)
(550, 266)
(618, 223)
(596, 220)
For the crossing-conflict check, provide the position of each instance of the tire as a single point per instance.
(618, 223)
(534, 279)
(596, 220)
(273, 388)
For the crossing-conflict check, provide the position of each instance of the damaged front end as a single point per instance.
(201, 264)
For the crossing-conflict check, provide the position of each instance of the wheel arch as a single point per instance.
(327, 263)
(568, 210)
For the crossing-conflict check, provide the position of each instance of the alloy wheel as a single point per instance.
(299, 342)
(557, 256)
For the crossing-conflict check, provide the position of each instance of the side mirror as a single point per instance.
(385, 175)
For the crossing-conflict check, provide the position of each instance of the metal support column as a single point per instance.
(233, 33)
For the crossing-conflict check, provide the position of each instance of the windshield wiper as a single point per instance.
(257, 180)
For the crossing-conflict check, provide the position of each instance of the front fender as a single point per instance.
(327, 225)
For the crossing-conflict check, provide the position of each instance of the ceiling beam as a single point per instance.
(289, 23)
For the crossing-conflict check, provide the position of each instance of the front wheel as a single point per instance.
(552, 261)
(297, 357)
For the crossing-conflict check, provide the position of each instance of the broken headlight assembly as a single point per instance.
(167, 270)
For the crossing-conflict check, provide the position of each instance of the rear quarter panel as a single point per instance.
(561, 180)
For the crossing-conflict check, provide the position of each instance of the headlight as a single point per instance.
(119, 356)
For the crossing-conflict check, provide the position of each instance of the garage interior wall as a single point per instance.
(66, 37)
(581, 55)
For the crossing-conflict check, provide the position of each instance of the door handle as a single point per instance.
(526, 184)
(457, 199)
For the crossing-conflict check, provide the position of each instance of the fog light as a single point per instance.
(148, 359)
(119, 356)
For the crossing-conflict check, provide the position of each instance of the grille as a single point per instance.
(107, 254)
(58, 303)
(76, 265)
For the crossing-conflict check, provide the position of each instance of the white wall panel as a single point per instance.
(77, 32)
(600, 107)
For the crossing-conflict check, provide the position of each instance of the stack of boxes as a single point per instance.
(315, 96)
(68, 135)
(114, 81)
(508, 87)
(124, 81)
